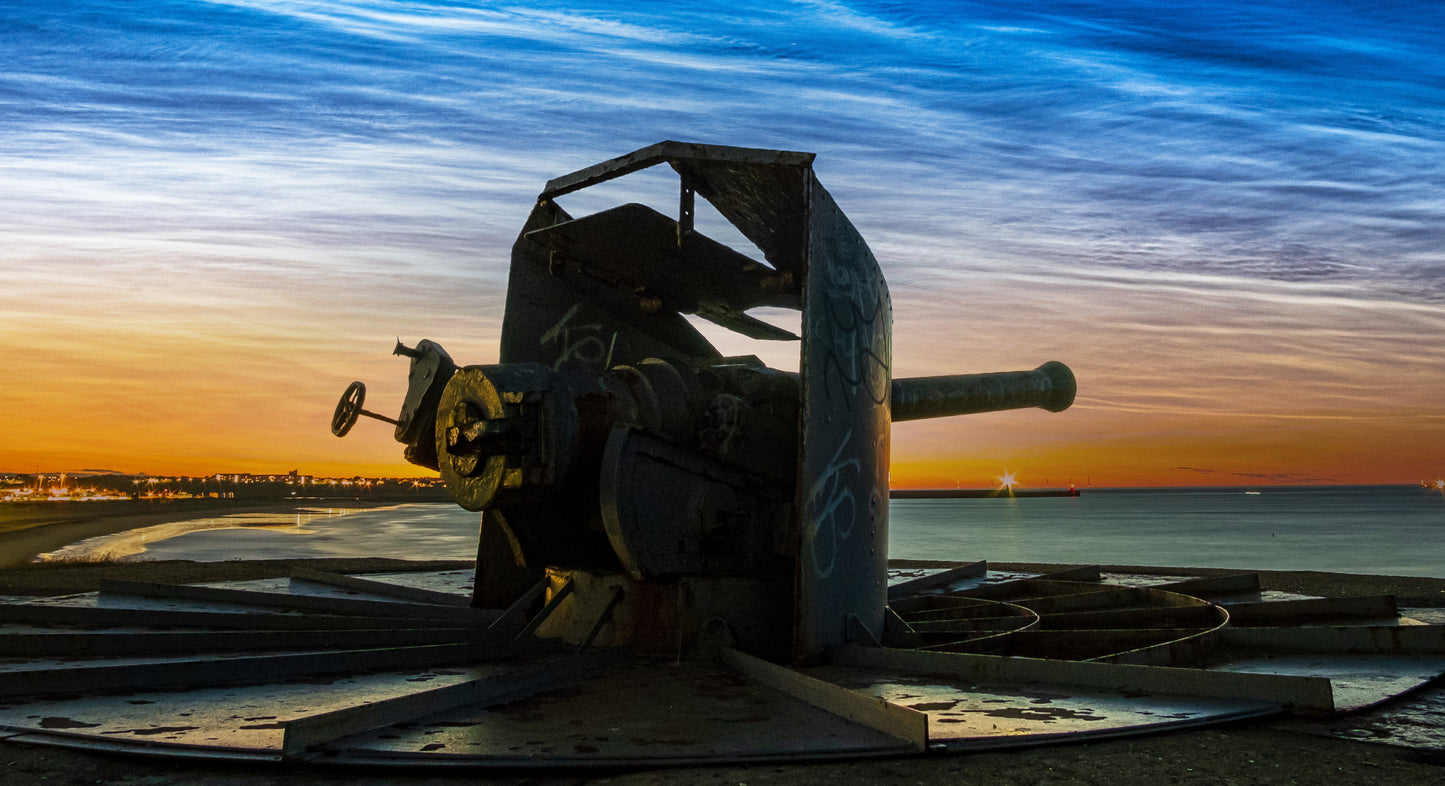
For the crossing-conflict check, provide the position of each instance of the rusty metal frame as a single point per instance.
(667, 152)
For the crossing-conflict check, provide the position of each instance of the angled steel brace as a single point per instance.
(379, 588)
(246, 670)
(936, 580)
(1304, 694)
(908, 725)
(303, 734)
(374, 608)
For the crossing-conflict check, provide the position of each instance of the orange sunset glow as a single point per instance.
(1255, 393)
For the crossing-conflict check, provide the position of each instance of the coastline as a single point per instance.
(24, 534)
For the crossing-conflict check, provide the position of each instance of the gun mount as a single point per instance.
(612, 440)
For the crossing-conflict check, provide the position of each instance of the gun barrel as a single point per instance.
(1050, 386)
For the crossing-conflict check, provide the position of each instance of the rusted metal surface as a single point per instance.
(246, 721)
(843, 480)
(166, 643)
(231, 669)
(649, 713)
(1357, 681)
(613, 438)
(379, 588)
(326, 605)
(1306, 692)
(969, 714)
(311, 731)
(895, 720)
(943, 578)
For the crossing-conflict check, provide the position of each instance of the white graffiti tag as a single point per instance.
(584, 342)
(833, 508)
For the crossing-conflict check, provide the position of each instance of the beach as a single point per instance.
(28, 530)
(1271, 751)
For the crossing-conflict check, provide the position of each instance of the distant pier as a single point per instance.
(978, 493)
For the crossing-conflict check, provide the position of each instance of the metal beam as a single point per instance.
(247, 670)
(163, 643)
(918, 604)
(1084, 573)
(936, 580)
(667, 152)
(380, 588)
(514, 618)
(602, 619)
(1112, 598)
(302, 734)
(1239, 583)
(372, 608)
(540, 617)
(1298, 612)
(1153, 616)
(1016, 590)
(95, 617)
(1304, 694)
(1352, 639)
(897, 721)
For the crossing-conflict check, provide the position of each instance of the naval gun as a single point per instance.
(648, 491)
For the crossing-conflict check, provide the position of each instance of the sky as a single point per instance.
(1228, 219)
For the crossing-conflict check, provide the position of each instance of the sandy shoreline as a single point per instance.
(43, 531)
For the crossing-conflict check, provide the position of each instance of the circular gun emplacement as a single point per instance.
(1050, 386)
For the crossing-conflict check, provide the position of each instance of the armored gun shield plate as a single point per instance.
(843, 480)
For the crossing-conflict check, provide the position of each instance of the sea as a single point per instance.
(1382, 530)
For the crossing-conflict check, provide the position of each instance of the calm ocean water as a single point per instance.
(1390, 530)
(1393, 530)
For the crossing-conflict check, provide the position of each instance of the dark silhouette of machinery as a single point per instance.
(668, 486)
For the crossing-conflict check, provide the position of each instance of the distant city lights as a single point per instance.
(65, 487)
